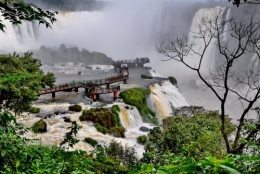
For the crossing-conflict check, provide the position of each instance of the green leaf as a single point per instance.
(17, 164)
(229, 169)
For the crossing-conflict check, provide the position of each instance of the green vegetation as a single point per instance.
(63, 54)
(34, 110)
(142, 139)
(91, 141)
(137, 97)
(16, 11)
(20, 80)
(39, 127)
(144, 76)
(198, 137)
(173, 80)
(76, 108)
(106, 121)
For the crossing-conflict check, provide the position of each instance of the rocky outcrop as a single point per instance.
(39, 127)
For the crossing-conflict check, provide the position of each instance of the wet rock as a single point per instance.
(44, 115)
(67, 119)
(144, 129)
(79, 73)
(127, 107)
(39, 126)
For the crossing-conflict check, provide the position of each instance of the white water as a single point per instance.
(56, 127)
(226, 26)
(164, 98)
(153, 73)
(209, 56)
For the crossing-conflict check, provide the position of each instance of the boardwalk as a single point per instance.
(91, 86)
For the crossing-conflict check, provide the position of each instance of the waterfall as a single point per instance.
(16, 37)
(226, 26)
(164, 98)
(130, 116)
(210, 54)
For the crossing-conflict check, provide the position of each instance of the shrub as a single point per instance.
(144, 76)
(142, 139)
(127, 155)
(76, 108)
(101, 128)
(34, 110)
(39, 126)
(91, 141)
(173, 80)
(117, 131)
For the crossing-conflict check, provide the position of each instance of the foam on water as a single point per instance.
(56, 127)
(164, 98)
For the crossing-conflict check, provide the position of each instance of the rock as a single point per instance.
(67, 119)
(127, 107)
(44, 115)
(39, 126)
(79, 73)
(144, 129)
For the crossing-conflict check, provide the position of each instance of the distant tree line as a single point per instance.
(72, 54)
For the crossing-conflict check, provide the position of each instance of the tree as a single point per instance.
(17, 11)
(224, 78)
(21, 79)
(238, 2)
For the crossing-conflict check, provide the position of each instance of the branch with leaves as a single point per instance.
(16, 12)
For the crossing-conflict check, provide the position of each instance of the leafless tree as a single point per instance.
(238, 2)
(223, 79)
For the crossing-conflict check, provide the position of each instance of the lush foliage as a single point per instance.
(144, 76)
(20, 80)
(173, 80)
(91, 141)
(196, 137)
(106, 121)
(142, 139)
(76, 108)
(137, 97)
(39, 127)
(17, 11)
(34, 110)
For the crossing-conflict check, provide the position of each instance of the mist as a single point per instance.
(121, 30)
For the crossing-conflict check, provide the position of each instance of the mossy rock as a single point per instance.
(39, 127)
(76, 108)
(137, 97)
(104, 119)
(142, 139)
(101, 128)
(117, 131)
(67, 119)
(34, 110)
(144, 76)
(91, 141)
(173, 80)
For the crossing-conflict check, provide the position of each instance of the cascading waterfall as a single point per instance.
(164, 98)
(130, 116)
(16, 37)
(209, 56)
(226, 26)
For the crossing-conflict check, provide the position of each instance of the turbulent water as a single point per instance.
(164, 98)
(56, 127)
